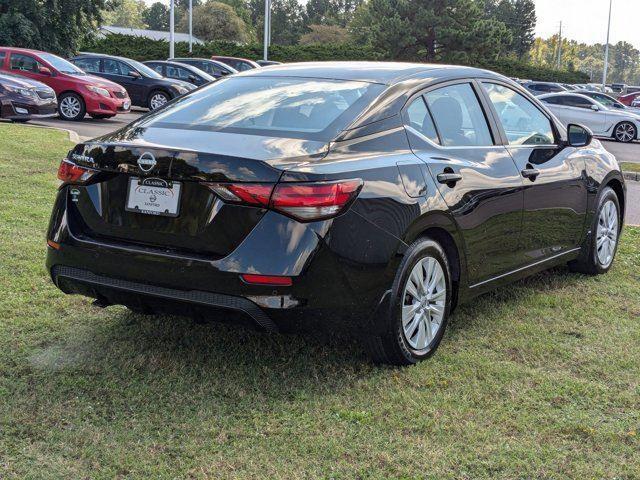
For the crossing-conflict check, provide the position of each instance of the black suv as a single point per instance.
(146, 87)
(371, 197)
(212, 67)
(181, 71)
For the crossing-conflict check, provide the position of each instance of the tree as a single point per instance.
(325, 34)
(54, 26)
(330, 12)
(157, 16)
(287, 20)
(431, 30)
(214, 20)
(126, 13)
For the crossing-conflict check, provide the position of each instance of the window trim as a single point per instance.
(557, 138)
(496, 135)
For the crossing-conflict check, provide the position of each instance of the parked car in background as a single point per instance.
(22, 99)
(77, 92)
(146, 87)
(540, 88)
(636, 103)
(569, 87)
(212, 67)
(628, 98)
(608, 101)
(618, 87)
(267, 63)
(572, 108)
(240, 64)
(180, 71)
(369, 197)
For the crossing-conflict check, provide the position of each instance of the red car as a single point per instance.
(78, 93)
(628, 98)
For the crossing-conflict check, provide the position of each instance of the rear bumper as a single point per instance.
(341, 270)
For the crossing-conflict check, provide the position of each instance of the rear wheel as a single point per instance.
(71, 107)
(625, 132)
(599, 251)
(421, 306)
(157, 99)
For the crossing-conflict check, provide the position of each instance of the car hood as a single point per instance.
(97, 81)
(22, 82)
(171, 81)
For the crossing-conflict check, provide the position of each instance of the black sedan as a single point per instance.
(368, 197)
(23, 99)
(146, 87)
(181, 71)
(212, 67)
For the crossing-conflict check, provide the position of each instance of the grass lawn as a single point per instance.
(540, 379)
(630, 167)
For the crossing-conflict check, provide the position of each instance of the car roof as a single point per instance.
(564, 94)
(387, 73)
(22, 50)
(101, 55)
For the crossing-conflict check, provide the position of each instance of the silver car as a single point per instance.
(622, 125)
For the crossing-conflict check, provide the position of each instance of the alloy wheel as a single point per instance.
(158, 100)
(607, 234)
(625, 132)
(424, 302)
(70, 107)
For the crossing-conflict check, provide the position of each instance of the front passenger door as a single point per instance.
(555, 196)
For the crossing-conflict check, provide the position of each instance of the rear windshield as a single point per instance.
(308, 108)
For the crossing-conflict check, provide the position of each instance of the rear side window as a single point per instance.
(88, 64)
(523, 123)
(308, 108)
(458, 116)
(24, 63)
(420, 120)
(3, 55)
(579, 102)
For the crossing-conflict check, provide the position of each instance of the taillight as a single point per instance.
(303, 201)
(69, 172)
(273, 280)
(314, 201)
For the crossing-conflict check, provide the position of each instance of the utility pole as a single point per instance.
(172, 26)
(267, 28)
(190, 26)
(606, 49)
(560, 46)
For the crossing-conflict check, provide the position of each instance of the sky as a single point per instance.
(583, 20)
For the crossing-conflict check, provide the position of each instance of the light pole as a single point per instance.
(267, 29)
(190, 26)
(606, 49)
(172, 26)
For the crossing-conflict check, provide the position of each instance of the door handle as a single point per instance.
(530, 173)
(449, 178)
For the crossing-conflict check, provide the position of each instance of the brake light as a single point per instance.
(256, 194)
(69, 172)
(314, 201)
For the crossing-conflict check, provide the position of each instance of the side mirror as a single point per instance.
(578, 135)
(193, 78)
(134, 74)
(595, 108)
(224, 73)
(44, 71)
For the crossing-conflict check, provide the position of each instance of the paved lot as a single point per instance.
(90, 128)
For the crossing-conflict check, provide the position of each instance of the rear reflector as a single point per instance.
(266, 280)
(304, 201)
(69, 172)
(54, 245)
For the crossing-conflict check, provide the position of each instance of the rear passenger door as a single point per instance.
(119, 72)
(555, 195)
(449, 130)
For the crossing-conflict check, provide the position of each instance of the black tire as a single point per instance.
(68, 113)
(589, 262)
(154, 94)
(625, 132)
(391, 345)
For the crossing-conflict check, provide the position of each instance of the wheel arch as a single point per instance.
(615, 127)
(75, 92)
(616, 185)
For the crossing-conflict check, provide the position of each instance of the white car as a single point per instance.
(621, 125)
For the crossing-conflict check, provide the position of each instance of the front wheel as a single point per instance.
(418, 316)
(600, 249)
(625, 132)
(157, 99)
(71, 106)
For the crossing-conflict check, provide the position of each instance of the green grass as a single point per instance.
(540, 379)
(630, 167)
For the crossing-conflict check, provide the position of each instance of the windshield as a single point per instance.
(144, 70)
(61, 65)
(314, 109)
